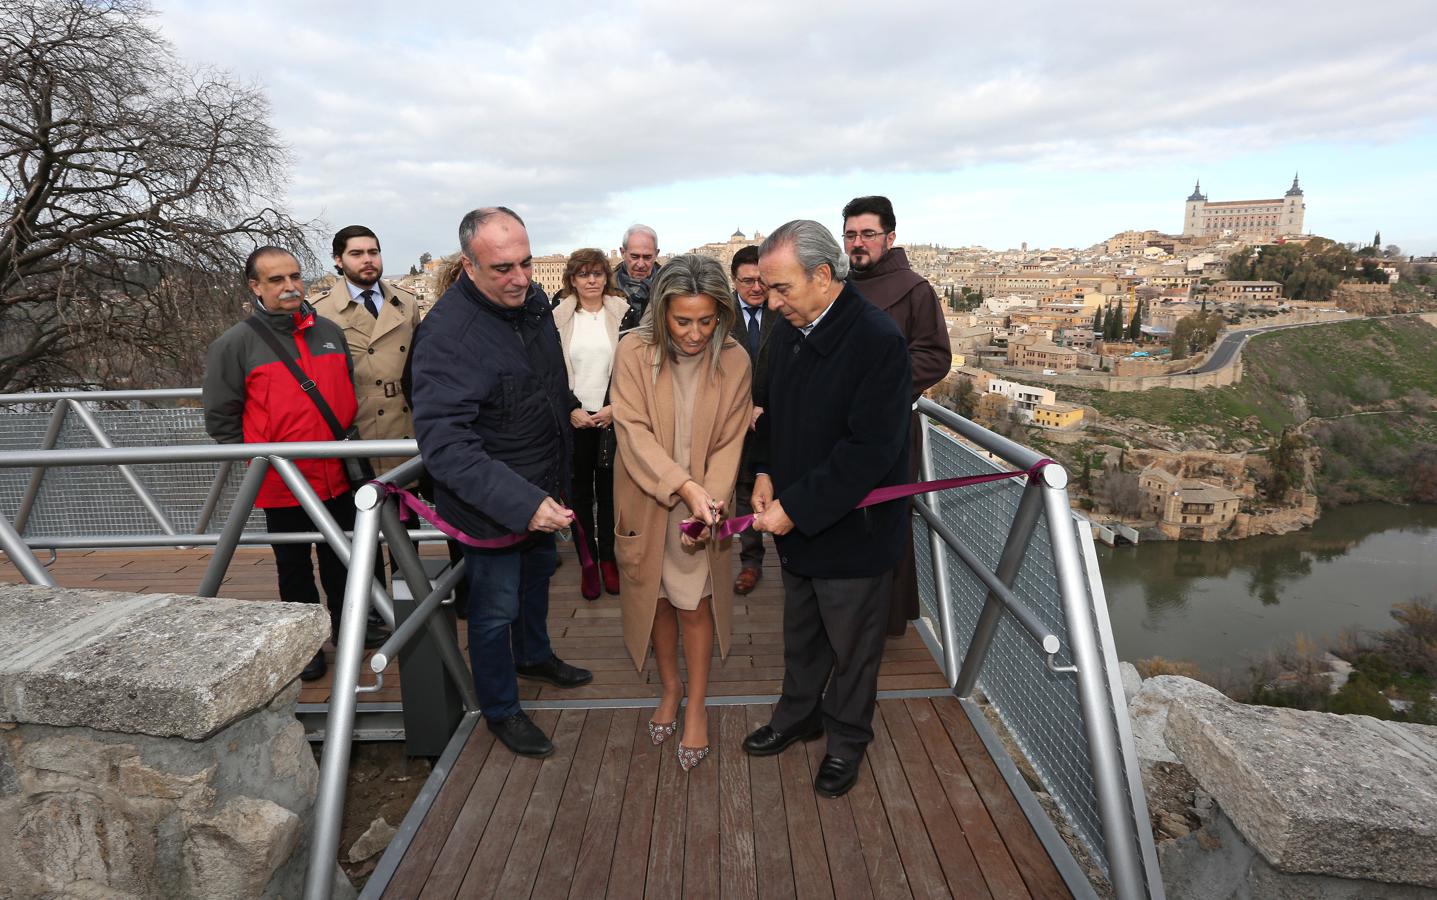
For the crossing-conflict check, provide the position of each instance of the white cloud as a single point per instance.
(406, 115)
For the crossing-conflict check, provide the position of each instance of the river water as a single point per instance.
(1218, 604)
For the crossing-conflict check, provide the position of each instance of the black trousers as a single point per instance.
(295, 564)
(750, 542)
(593, 483)
(833, 634)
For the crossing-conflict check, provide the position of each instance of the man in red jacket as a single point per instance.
(251, 397)
(880, 272)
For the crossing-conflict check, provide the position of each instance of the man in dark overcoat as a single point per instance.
(835, 428)
(880, 270)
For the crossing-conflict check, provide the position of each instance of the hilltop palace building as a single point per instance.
(1265, 219)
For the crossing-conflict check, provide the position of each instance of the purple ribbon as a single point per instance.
(730, 527)
(426, 512)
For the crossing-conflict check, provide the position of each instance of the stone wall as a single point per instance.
(1254, 801)
(148, 745)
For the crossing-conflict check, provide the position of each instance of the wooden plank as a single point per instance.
(636, 819)
(413, 870)
(992, 855)
(880, 853)
(522, 866)
(666, 843)
(925, 876)
(701, 842)
(840, 839)
(737, 875)
(493, 850)
(805, 835)
(458, 850)
(596, 852)
(772, 864)
(1032, 861)
(556, 869)
(960, 869)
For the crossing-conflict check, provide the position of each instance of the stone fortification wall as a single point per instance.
(1099, 382)
(148, 745)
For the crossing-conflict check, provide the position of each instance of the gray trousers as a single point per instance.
(833, 634)
(750, 542)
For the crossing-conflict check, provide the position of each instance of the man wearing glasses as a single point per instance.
(880, 272)
(754, 326)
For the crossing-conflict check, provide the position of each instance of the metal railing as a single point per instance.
(1008, 573)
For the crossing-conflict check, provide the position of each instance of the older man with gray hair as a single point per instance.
(834, 428)
(640, 252)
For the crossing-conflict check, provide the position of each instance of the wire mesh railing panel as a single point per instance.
(96, 500)
(1039, 708)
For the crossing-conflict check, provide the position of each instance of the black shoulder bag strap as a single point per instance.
(306, 384)
(357, 470)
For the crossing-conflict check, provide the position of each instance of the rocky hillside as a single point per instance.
(1360, 391)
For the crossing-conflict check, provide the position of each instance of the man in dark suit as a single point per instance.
(753, 329)
(836, 427)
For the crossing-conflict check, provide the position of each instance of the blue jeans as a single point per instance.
(508, 618)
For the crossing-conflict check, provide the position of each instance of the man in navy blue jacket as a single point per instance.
(491, 401)
(834, 428)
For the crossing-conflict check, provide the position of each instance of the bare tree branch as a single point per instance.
(131, 190)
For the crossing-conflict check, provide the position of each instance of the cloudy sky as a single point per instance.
(1055, 124)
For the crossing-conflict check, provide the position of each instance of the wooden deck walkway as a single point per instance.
(610, 815)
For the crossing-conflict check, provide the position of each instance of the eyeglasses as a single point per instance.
(867, 234)
(749, 282)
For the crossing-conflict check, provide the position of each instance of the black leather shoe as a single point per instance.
(375, 632)
(835, 776)
(521, 735)
(556, 672)
(316, 668)
(766, 742)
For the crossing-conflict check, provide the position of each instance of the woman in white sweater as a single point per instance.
(589, 315)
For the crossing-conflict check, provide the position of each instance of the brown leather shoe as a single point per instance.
(746, 580)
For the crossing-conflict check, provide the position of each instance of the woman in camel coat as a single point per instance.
(681, 405)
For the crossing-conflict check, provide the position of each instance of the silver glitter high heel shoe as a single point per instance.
(691, 756)
(660, 732)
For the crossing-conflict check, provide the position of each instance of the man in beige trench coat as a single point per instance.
(378, 321)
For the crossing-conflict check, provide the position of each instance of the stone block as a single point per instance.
(1132, 681)
(375, 838)
(1343, 796)
(159, 664)
(236, 852)
(139, 781)
(1148, 714)
(74, 837)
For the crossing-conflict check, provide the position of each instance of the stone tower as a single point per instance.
(1192, 210)
(1293, 208)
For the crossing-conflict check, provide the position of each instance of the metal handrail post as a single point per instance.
(379, 660)
(234, 526)
(20, 555)
(339, 726)
(334, 536)
(412, 569)
(1125, 867)
(37, 475)
(947, 630)
(212, 499)
(143, 493)
(1020, 535)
